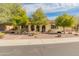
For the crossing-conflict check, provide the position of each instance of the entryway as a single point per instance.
(43, 28)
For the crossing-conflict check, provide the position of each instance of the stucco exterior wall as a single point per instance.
(48, 27)
(9, 27)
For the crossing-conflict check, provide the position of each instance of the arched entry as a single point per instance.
(37, 28)
(32, 27)
(26, 28)
(43, 28)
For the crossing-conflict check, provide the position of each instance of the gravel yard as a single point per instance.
(38, 36)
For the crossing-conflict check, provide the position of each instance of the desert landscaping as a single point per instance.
(16, 24)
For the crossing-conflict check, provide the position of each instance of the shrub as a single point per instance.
(49, 31)
(34, 33)
(76, 34)
(1, 35)
(59, 32)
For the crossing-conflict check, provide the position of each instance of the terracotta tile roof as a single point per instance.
(51, 21)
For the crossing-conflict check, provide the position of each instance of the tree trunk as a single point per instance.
(64, 30)
(77, 29)
(19, 30)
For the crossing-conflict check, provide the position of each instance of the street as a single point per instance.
(63, 49)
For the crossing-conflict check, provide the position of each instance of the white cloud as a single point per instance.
(48, 8)
(52, 18)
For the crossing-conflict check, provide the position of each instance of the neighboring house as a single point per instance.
(5, 27)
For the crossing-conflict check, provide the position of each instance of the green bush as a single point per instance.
(1, 35)
(33, 34)
(49, 31)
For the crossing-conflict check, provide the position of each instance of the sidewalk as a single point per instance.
(37, 41)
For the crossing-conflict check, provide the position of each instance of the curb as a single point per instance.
(37, 41)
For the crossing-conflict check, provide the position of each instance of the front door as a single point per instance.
(43, 28)
(32, 27)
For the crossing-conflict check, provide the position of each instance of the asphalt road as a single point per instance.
(64, 49)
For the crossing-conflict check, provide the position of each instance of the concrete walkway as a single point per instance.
(37, 41)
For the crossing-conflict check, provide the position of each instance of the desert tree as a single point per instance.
(39, 18)
(65, 21)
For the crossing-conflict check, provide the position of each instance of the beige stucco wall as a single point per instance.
(9, 27)
(48, 27)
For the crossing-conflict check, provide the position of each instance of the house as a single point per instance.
(50, 27)
(30, 28)
(41, 28)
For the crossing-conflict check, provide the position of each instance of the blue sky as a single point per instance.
(52, 10)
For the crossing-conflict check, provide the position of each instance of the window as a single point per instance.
(53, 27)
